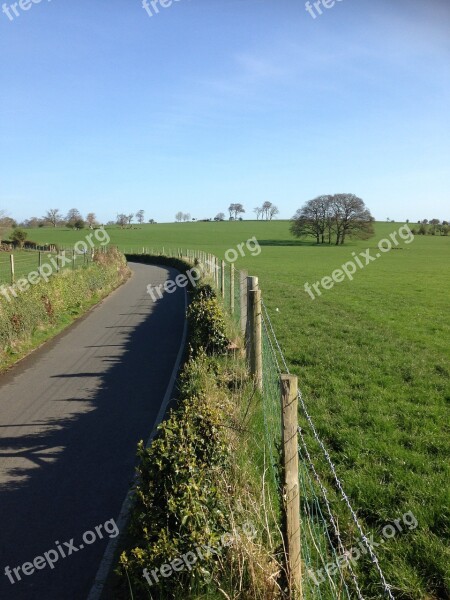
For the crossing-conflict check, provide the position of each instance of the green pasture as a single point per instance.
(373, 360)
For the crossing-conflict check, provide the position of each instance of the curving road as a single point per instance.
(71, 415)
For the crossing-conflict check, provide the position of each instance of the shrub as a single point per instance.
(207, 324)
(179, 505)
(18, 237)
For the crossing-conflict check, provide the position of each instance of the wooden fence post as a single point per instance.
(252, 284)
(232, 288)
(222, 278)
(243, 299)
(289, 401)
(13, 272)
(255, 337)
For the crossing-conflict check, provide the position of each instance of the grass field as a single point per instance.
(372, 356)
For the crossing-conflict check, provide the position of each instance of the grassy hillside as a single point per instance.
(372, 357)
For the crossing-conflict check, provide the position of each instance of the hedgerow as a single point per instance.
(47, 305)
(191, 493)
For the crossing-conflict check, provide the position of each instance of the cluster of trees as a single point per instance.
(124, 220)
(267, 211)
(432, 227)
(53, 217)
(235, 211)
(180, 216)
(74, 219)
(332, 219)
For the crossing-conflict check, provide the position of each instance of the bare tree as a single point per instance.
(238, 209)
(122, 220)
(312, 219)
(350, 217)
(186, 217)
(179, 216)
(266, 209)
(258, 211)
(273, 210)
(140, 216)
(53, 216)
(231, 210)
(91, 220)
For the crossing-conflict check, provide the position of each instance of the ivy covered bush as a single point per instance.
(179, 503)
(206, 322)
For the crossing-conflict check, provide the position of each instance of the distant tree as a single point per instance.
(407, 220)
(32, 222)
(91, 220)
(79, 224)
(122, 220)
(422, 229)
(266, 209)
(425, 221)
(140, 216)
(186, 217)
(435, 226)
(130, 218)
(231, 209)
(18, 237)
(219, 217)
(72, 216)
(179, 216)
(8, 223)
(314, 219)
(152, 221)
(273, 210)
(238, 210)
(445, 229)
(53, 216)
(257, 210)
(351, 218)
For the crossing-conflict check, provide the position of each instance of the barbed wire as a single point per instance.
(373, 556)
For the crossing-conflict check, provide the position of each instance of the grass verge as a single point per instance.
(46, 309)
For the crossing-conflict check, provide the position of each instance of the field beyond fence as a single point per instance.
(19, 264)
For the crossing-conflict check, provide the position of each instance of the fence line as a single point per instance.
(19, 264)
(318, 548)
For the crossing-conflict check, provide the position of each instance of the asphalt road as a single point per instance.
(71, 415)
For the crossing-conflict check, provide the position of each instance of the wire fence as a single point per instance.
(22, 263)
(328, 564)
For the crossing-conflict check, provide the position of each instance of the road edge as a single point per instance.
(104, 569)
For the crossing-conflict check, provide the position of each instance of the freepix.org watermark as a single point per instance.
(315, 8)
(14, 10)
(152, 7)
(54, 264)
(188, 560)
(52, 556)
(407, 521)
(349, 268)
(193, 275)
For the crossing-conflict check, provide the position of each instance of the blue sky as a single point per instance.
(216, 101)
